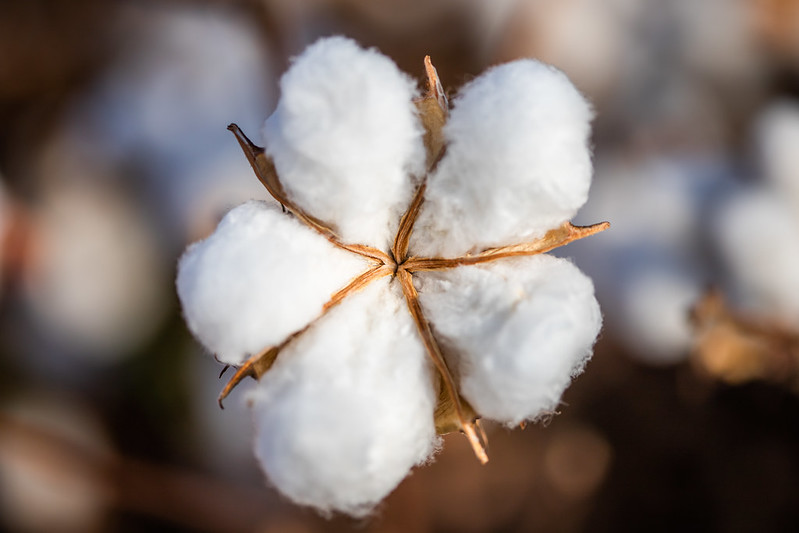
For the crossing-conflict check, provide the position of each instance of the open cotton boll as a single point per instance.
(521, 328)
(347, 409)
(345, 138)
(757, 233)
(517, 162)
(259, 277)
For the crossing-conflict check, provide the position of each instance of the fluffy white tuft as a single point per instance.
(521, 329)
(517, 163)
(345, 139)
(347, 410)
(261, 276)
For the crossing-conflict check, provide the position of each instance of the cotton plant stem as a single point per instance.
(265, 171)
(430, 344)
(553, 239)
(259, 364)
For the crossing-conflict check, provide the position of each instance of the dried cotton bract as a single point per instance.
(401, 293)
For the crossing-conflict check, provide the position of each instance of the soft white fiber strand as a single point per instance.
(520, 329)
(259, 277)
(346, 139)
(347, 410)
(757, 232)
(517, 162)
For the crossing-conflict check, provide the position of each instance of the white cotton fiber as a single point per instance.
(345, 139)
(347, 409)
(517, 163)
(520, 329)
(757, 232)
(261, 276)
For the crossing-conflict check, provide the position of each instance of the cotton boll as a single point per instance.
(260, 277)
(778, 139)
(653, 315)
(521, 329)
(347, 409)
(184, 74)
(517, 162)
(757, 233)
(156, 116)
(95, 278)
(345, 139)
(652, 201)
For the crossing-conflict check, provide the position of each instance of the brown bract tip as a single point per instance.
(434, 88)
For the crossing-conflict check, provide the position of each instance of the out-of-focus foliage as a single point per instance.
(114, 155)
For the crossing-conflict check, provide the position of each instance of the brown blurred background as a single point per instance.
(114, 156)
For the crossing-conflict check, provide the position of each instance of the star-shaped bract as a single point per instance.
(401, 290)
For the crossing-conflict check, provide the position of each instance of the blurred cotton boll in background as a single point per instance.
(653, 266)
(161, 111)
(137, 163)
(757, 229)
(96, 279)
(751, 227)
(653, 314)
